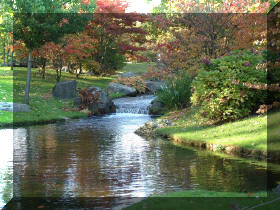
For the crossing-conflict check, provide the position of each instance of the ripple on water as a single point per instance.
(103, 157)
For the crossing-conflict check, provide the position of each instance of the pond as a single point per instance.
(102, 157)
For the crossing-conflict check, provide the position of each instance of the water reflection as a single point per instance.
(6, 166)
(101, 156)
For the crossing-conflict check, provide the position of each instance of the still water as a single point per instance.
(102, 157)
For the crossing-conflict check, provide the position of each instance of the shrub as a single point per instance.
(110, 58)
(156, 74)
(92, 66)
(137, 82)
(218, 94)
(177, 92)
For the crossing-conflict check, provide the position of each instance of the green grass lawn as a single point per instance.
(203, 199)
(44, 108)
(6, 92)
(249, 133)
(137, 68)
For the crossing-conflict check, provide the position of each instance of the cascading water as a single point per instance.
(134, 105)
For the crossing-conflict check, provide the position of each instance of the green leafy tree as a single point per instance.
(6, 28)
(38, 22)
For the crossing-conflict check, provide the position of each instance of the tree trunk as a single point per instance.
(44, 69)
(57, 75)
(28, 78)
(69, 68)
(4, 55)
(12, 59)
(80, 70)
(7, 57)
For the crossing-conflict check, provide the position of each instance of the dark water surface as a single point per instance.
(102, 157)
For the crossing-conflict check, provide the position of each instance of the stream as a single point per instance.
(102, 157)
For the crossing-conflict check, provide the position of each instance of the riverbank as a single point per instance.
(244, 138)
(203, 199)
(43, 107)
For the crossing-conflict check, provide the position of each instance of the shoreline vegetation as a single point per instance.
(246, 138)
(204, 199)
(243, 138)
(210, 75)
(44, 108)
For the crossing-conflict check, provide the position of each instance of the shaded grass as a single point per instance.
(44, 108)
(6, 84)
(203, 199)
(138, 68)
(249, 133)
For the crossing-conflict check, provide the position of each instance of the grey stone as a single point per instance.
(153, 86)
(156, 108)
(65, 90)
(77, 101)
(120, 88)
(128, 74)
(103, 104)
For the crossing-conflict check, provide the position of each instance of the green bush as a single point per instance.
(273, 74)
(221, 100)
(110, 58)
(177, 91)
(92, 66)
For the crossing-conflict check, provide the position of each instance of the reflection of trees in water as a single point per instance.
(7, 179)
(181, 168)
(19, 159)
(173, 166)
(57, 163)
(62, 159)
(215, 173)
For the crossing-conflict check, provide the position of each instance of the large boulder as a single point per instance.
(153, 86)
(102, 103)
(156, 108)
(77, 101)
(122, 89)
(65, 90)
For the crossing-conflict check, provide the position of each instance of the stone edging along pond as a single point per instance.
(150, 130)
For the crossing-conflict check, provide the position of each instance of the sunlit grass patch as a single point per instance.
(43, 106)
(6, 84)
(203, 199)
(137, 68)
(249, 133)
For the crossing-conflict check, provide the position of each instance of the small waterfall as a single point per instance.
(134, 105)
